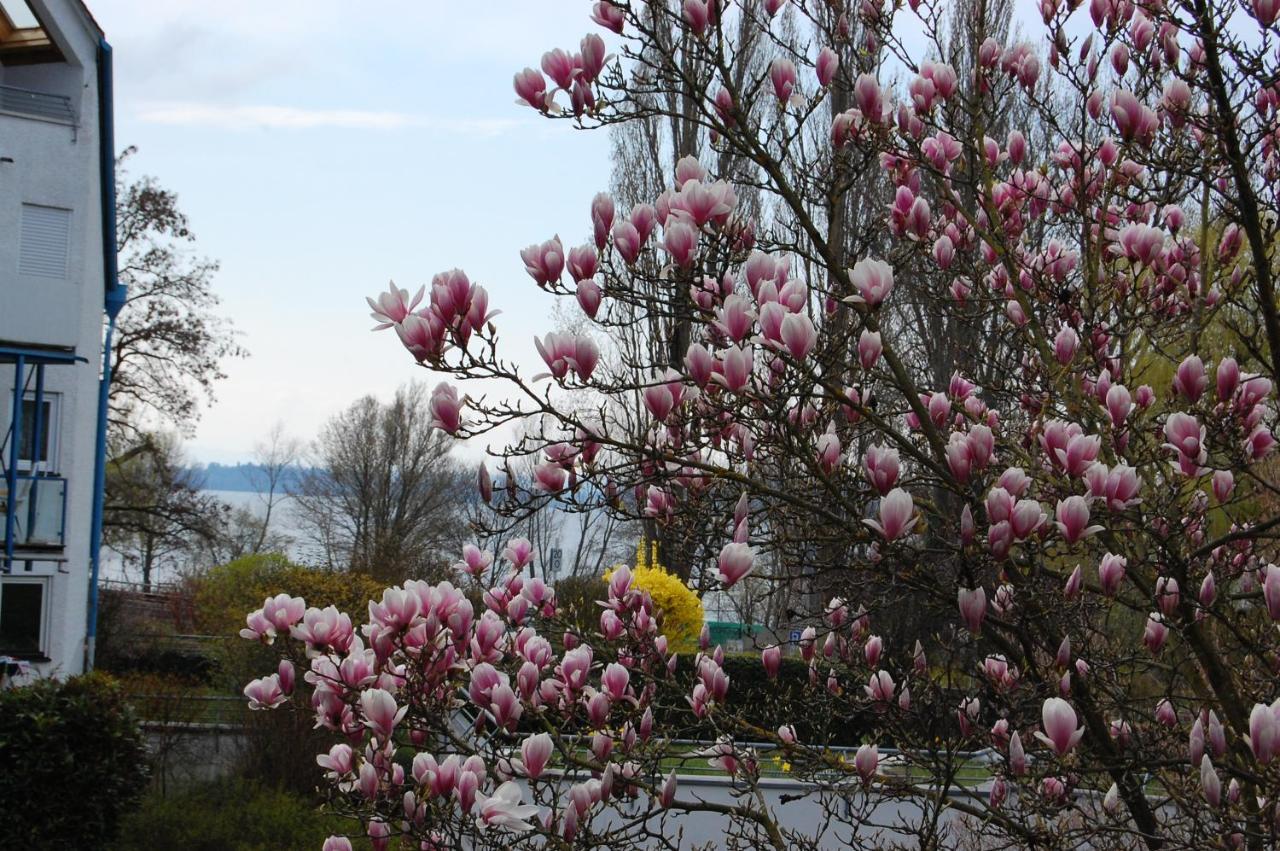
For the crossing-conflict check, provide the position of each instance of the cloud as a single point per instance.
(244, 117)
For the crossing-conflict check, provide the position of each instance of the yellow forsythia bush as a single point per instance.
(680, 607)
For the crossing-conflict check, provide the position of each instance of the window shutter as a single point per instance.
(46, 232)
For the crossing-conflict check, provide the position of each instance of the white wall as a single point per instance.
(56, 164)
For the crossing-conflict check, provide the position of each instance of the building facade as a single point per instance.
(58, 291)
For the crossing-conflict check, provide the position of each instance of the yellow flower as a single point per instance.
(680, 607)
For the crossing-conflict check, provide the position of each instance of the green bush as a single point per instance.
(74, 760)
(762, 702)
(224, 595)
(230, 815)
(282, 745)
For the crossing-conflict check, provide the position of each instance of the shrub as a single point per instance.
(281, 750)
(230, 815)
(74, 762)
(677, 604)
(577, 599)
(224, 593)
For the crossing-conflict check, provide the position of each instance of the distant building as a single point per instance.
(57, 288)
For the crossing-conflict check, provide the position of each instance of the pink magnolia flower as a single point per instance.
(1142, 243)
(1111, 572)
(1190, 379)
(1017, 755)
(704, 202)
(1228, 378)
(782, 73)
(869, 348)
(531, 89)
(608, 15)
(1026, 517)
(265, 693)
(1167, 594)
(1134, 119)
(866, 761)
(882, 465)
(503, 809)
(667, 794)
(1271, 590)
(1060, 731)
(880, 687)
(323, 630)
(696, 15)
(869, 98)
(1065, 344)
(550, 478)
(735, 562)
(680, 239)
(615, 680)
(393, 306)
(535, 753)
(722, 756)
(1119, 404)
(973, 607)
(1265, 11)
(658, 399)
(771, 658)
(627, 240)
(826, 66)
(380, 711)
(798, 335)
(545, 262)
(1185, 436)
(1073, 519)
(259, 628)
(897, 515)
(446, 408)
(583, 263)
(872, 650)
(1155, 633)
(736, 364)
(1210, 783)
(873, 279)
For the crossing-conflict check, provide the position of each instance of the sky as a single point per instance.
(323, 148)
(320, 151)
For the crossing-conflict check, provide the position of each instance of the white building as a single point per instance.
(57, 288)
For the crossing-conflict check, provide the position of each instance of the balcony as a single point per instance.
(40, 510)
(41, 105)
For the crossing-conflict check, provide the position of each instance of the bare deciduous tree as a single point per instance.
(383, 495)
(170, 343)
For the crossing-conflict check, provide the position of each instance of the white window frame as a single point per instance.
(46, 605)
(53, 426)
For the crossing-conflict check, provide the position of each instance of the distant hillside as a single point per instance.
(242, 477)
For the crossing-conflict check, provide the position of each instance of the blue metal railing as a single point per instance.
(39, 511)
(38, 104)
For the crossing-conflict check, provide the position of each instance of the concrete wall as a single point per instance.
(56, 164)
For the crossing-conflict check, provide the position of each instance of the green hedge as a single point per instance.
(231, 815)
(74, 762)
(764, 703)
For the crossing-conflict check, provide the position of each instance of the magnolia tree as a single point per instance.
(1083, 540)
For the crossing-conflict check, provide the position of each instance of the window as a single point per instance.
(45, 238)
(46, 454)
(22, 617)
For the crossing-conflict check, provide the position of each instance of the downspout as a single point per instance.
(113, 300)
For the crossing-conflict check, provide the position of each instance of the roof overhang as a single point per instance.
(24, 39)
(33, 353)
